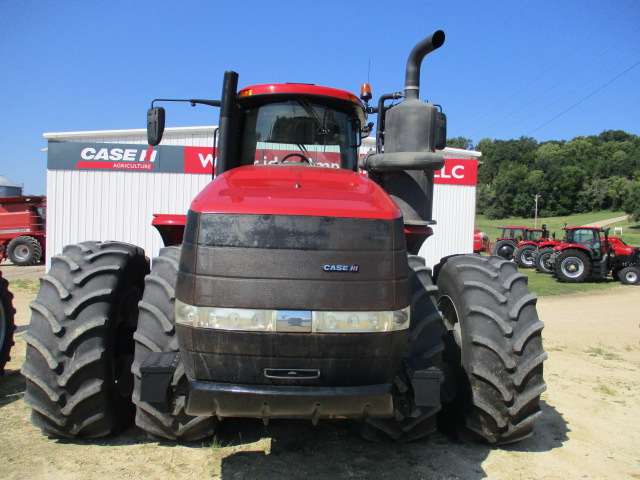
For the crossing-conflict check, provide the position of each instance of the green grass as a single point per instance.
(601, 352)
(543, 284)
(606, 390)
(30, 286)
(631, 232)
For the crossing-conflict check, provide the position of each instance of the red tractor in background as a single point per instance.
(526, 249)
(505, 245)
(542, 254)
(590, 252)
(22, 229)
(294, 290)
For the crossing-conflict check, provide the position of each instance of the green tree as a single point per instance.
(510, 191)
(547, 155)
(616, 192)
(582, 175)
(460, 142)
(484, 198)
(632, 202)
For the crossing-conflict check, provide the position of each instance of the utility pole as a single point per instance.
(535, 222)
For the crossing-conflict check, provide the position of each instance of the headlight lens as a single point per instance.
(258, 320)
(223, 318)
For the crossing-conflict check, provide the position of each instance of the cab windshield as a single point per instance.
(535, 235)
(300, 131)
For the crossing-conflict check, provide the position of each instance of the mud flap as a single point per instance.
(156, 374)
(425, 379)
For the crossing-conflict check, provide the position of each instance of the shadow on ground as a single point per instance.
(245, 448)
(335, 450)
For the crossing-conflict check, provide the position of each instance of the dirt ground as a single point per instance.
(589, 428)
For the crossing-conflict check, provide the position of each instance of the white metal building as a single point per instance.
(106, 185)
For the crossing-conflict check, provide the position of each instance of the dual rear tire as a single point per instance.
(91, 328)
(80, 340)
(489, 349)
(493, 348)
(426, 333)
(156, 333)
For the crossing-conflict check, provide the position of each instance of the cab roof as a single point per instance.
(346, 99)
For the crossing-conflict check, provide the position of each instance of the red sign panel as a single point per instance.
(457, 171)
(199, 159)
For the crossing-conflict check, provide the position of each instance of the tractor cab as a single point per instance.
(303, 124)
(277, 124)
(588, 238)
(516, 233)
(534, 235)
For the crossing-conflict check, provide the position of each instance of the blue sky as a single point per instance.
(549, 70)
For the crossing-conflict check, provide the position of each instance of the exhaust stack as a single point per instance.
(414, 62)
(413, 131)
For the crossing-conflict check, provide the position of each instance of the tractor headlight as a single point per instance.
(258, 320)
(224, 318)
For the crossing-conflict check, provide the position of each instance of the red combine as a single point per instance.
(293, 290)
(22, 229)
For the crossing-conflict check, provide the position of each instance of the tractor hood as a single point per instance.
(296, 190)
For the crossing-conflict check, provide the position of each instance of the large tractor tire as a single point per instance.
(80, 341)
(24, 251)
(7, 325)
(541, 259)
(425, 341)
(504, 249)
(524, 255)
(493, 350)
(156, 333)
(571, 266)
(630, 275)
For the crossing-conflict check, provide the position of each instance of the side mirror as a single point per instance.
(155, 125)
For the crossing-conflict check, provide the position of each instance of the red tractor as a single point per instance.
(526, 249)
(7, 325)
(22, 229)
(590, 252)
(512, 237)
(542, 254)
(295, 290)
